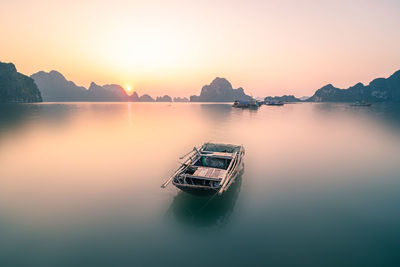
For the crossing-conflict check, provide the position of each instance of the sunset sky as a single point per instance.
(175, 47)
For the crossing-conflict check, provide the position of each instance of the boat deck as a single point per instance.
(209, 172)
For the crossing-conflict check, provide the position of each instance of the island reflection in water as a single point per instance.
(80, 185)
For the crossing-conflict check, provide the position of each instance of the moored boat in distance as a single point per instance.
(240, 104)
(210, 169)
(252, 104)
(274, 103)
(260, 103)
(360, 104)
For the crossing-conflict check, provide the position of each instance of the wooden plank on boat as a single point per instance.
(222, 154)
(210, 172)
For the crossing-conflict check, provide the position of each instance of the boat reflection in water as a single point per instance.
(206, 211)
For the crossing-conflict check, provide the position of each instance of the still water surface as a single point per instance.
(80, 186)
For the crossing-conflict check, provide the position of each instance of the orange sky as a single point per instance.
(175, 47)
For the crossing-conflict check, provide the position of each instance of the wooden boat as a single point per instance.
(252, 104)
(260, 103)
(210, 169)
(240, 104)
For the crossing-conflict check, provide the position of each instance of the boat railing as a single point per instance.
(188, 153)
(234, 164)
(183, 167)
(231, 167)
(164, 185)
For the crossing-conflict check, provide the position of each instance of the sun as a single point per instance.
(128, 89)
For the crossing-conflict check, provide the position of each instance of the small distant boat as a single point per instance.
(275, 103)
(210, 169)
(252, 104)
(240, 104)
(360, 104)
(260, 103)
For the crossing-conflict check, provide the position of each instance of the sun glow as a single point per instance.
(149, 49)
(128, 89)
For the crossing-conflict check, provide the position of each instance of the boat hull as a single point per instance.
(198, 191)
(207, 190)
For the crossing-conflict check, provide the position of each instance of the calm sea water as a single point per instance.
(80, 186)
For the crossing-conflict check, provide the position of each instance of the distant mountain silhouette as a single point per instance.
(304, 98)
(181, 99)
(134, 97)
(56, 88)
(17, 87)
(107, 93)
(378, 90)
(220, 90)
(284, 98)
(165, 98)
(146, 98)
(118, 90)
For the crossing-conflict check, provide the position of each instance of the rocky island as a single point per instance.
(181, 99)
(378, 90)
(146, 98)
(17, 87)
(165, 98)
(220, 90)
